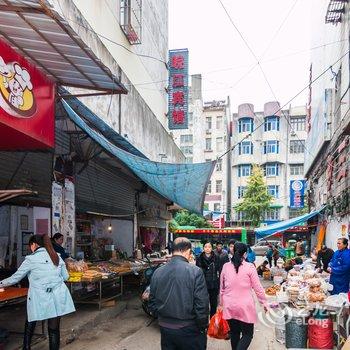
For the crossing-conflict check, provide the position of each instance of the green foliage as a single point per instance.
(256, 199)
(185, 218)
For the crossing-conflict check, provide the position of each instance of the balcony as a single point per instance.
(130, 20)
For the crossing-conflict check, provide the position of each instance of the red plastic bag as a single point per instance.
(218, 327)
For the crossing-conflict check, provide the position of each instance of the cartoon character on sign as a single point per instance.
(16, 90)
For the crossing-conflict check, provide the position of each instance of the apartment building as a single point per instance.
(275, 140)
(206, 139)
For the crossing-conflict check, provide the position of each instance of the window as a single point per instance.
(293, 213)
(240, 215)
(219, 165)
(218, 186)
(298, 123)
(208, 144)
(271, 147)
(208, 122)
(189, 160)
(273, 214)
(240, 191)
(273, 190)
(297, 169)
(245, 147)
(217, 207)
(219, 144)
(218, 122)
(209, 187)
(186, 138)
(244, 170)
(130, 20)
(297, 146)
(272, 123)
(187, 149)
(245, 125)
(271, 169)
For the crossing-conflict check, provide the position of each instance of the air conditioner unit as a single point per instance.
(293, 133)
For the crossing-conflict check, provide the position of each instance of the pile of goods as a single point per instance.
(273, 290)
(316, 294)
(91, 276)
(76, 269)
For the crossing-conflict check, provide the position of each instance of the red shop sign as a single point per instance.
(27, 100)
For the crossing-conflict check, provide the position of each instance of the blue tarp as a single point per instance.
(183, 184)
(284, 225)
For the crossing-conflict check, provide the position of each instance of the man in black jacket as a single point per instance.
(324, 257)
(179, 299)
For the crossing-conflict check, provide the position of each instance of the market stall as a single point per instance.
(304, 311)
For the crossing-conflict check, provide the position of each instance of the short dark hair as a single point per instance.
(232, 241)
(219, 242)
(181, 244)
(57, 236)
(344, 240)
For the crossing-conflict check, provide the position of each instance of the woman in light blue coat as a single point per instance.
(48, 296)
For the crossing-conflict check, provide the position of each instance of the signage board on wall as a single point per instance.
(297, 193)
(27, 100)
(178, 89)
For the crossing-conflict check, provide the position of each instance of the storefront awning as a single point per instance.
(44, 37)
(284, 225)
(184, 184)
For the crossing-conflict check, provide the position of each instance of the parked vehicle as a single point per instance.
(261, 247)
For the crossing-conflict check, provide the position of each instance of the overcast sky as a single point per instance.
(219, 54)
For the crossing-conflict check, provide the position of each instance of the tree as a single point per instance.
(185, 218)
(256, 199)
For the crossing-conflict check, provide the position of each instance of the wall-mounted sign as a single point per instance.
(297, 193)
(26, 103)
(178, 89)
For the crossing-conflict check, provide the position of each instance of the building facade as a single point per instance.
(327, 162)
(134, 34)
(207, 139)
(273, 139)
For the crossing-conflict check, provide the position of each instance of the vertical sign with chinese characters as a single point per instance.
(297, 193)
(178, 89)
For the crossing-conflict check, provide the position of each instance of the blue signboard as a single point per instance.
(297, 193)
(178, 89)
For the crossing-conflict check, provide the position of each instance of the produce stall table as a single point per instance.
(106, 289)
(14, 296)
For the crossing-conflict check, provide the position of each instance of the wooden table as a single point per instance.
(13, 296)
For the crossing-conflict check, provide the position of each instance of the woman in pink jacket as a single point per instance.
(238, 279)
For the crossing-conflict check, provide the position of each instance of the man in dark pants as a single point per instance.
(179, 299)
(324, 257)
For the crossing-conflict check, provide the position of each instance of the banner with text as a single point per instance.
(297, 193)
(178, 89)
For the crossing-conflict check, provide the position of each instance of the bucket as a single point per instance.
(320, 333)
(296, 330)
(280, 328)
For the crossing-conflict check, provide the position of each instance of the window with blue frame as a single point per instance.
(271, 146)
(244, 170)
(245, 147)
(240, 191)
(271, 169)
(272, 123)
(273, 190)
(245, 125)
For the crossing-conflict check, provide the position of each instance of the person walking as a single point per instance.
(231, 246)
(179, 298)
(48, 296)
(210, 266)
(238, 279)
(299, 248)
(221, 255)
(324, 257)
(269, 254)
(339, 268)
